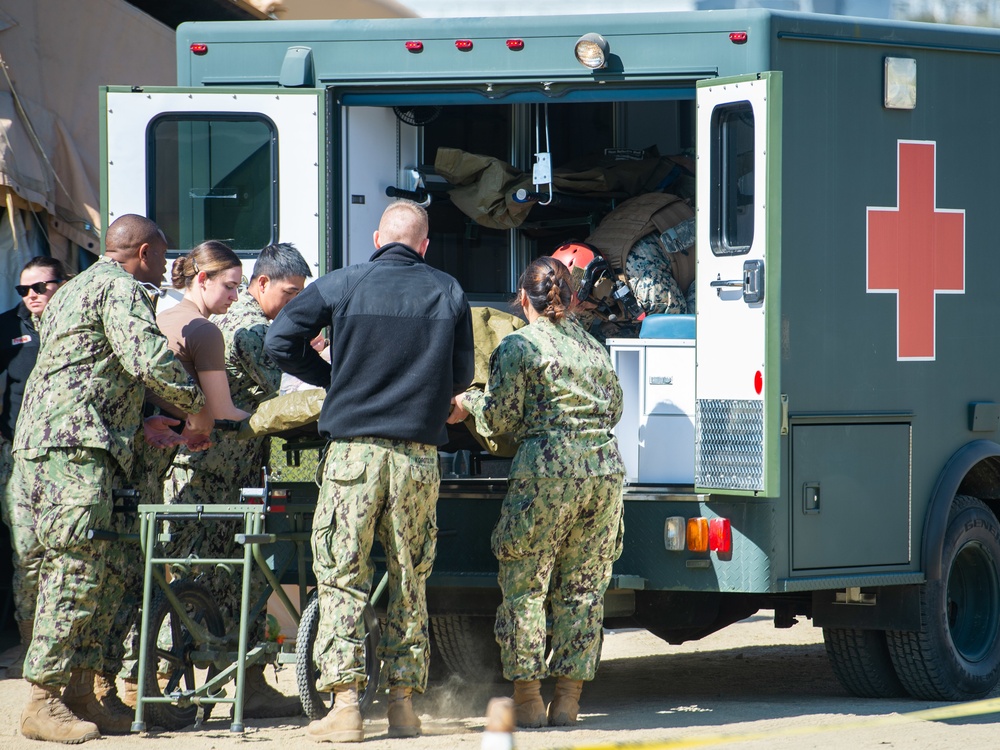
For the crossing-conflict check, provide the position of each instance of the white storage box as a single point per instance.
(657, 374)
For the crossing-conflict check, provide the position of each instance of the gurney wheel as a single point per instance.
(169, 664)
(315, 704)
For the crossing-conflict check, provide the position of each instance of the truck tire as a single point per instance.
(861, 662)
(465, 646)
(315, 704)
(955, 656)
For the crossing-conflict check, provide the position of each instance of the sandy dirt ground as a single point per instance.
(750, 686)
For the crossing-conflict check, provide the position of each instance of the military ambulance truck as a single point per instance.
(820, 439)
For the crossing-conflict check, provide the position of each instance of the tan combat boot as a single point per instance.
(261, 701)
(403, 721)
(46, 717)
(131, 694)
(94, 697)
(14, 656)
(529, 708)
(565, 703)
(343, 723)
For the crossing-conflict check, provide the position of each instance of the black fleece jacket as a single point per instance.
(402, 346)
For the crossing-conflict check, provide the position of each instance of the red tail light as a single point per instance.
(720, 535)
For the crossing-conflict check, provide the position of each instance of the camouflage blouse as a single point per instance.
(552, 387)
(253, 377)
(100, 350)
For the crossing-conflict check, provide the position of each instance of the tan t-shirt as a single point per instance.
(194, 340)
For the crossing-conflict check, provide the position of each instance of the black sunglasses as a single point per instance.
(38, 287)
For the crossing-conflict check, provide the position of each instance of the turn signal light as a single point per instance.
(697, 534)
(720, 535)
(673, 533)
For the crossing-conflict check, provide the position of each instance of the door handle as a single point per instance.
(752, 282)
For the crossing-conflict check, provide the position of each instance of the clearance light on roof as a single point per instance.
(516, 45)
(592, 51)
(415, 46)
(464, 45)
(738, 37)
(199, 48)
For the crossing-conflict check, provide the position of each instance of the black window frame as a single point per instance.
(213, 116)
(725, 199)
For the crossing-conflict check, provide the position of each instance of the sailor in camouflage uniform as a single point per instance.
(402, 347)
(217, 474)
(552, 387)
(100, 349)
(41, 277)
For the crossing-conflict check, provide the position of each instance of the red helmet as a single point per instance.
(596, 282)
(575, 255)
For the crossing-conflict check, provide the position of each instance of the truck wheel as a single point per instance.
(955, 656)
(861, 661)
(169, 662)
(465, 646)
(315, 704)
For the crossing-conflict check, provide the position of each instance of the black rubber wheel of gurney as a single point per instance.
(315, 704)
(169, 662)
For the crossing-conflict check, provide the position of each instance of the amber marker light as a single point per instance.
(697, 534)
(720, 535)
(199, 48)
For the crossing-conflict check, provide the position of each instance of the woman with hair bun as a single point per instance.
(552, 387)
(210, 277)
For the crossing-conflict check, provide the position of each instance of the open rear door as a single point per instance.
(738, 415)
(245, 167)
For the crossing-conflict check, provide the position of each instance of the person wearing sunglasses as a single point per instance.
(40, 278)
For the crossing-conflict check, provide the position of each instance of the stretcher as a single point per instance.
(187, 662)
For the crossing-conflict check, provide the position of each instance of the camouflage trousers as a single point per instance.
(26, 554)
(369, 486)
(556, 538)
(69, 491)
(195, 482)
(127, 565)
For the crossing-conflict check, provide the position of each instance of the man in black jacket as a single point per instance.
(402, 347)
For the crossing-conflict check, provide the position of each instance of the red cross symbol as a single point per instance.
(916, 250)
